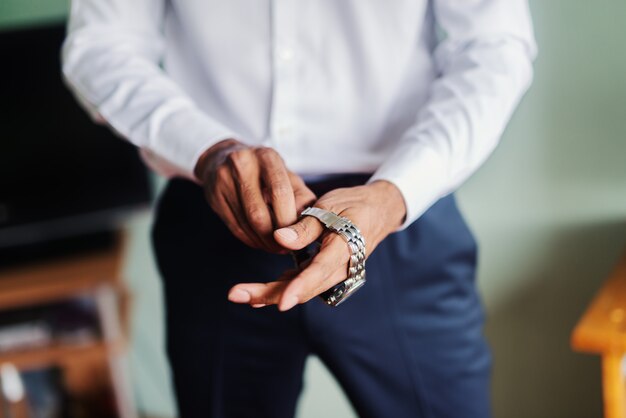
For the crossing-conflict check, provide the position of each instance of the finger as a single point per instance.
(246, 176)
(304, 197)
(289, 274)
(257, 293)
(225, 202)
(236, 222)
(260, 293)
(327, 269)
(300, 234)
(276, 179)
(223, 209)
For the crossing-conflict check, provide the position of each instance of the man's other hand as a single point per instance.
(377, 209)
(252, 191)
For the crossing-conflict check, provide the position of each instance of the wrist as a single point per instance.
(391, 201)
(209, 158)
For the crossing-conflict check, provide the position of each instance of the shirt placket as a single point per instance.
(284, 55)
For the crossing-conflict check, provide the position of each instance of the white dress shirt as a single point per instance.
(416, 92)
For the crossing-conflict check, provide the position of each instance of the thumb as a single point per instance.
(300, 234)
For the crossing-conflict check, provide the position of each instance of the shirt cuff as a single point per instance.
(420, 174)
(184, 136)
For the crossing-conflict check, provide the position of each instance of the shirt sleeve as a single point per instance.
(484, 66)
(111, 60)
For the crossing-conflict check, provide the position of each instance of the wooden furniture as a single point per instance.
(87, 367)
(602, 330)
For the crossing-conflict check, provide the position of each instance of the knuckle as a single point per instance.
(256, 216)
(279, 190)
(247, 191)
(303, 229)
(233, 157)
(222, 173)
(267, 153)
(238, 158)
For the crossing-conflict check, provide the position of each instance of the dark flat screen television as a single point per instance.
(60, 174)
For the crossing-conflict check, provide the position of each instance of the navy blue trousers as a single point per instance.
(408, 344)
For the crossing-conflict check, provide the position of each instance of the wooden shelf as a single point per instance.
(93, 366)
(55, 354)
(46, 282)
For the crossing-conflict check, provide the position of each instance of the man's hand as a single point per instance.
(377, 209)
(252, 191)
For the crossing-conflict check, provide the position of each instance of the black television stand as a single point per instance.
(57, 248)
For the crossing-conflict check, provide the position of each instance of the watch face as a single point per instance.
(339, 293)
(336, 294)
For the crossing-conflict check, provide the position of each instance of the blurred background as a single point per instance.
(549, 211)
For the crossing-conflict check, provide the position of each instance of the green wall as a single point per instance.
(549, 210)
(31, 12)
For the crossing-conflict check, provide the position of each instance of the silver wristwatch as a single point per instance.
(356, 243)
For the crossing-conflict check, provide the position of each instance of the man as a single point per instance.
(372, 110)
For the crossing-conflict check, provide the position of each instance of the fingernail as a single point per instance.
(259, 305)
(289, 303)
(239, 296)
(288, 234)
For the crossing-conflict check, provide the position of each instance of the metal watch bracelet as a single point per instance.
(356, 243)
